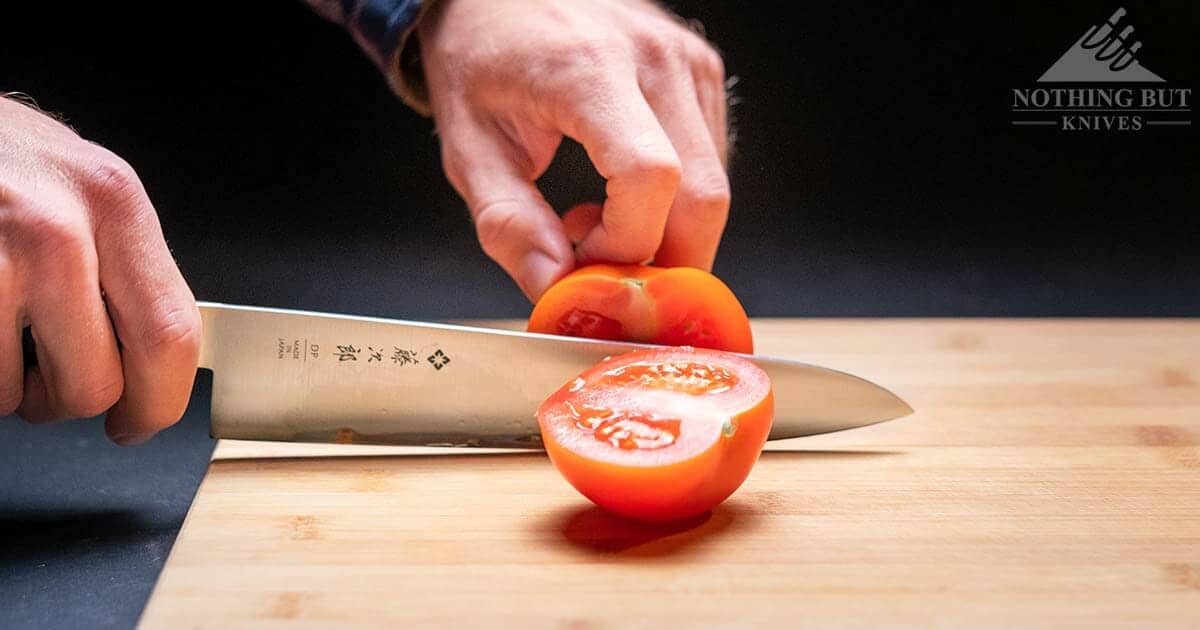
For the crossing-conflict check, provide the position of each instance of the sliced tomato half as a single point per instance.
(659, 434)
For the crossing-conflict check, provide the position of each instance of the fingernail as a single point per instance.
(131, 439)
(539, 271)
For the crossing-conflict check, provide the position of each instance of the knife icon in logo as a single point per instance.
(1104, 54)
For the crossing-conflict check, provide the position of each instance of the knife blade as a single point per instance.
(301, 376)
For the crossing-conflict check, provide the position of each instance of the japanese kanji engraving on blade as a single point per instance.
(317, 377)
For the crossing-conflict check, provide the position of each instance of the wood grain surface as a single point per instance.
(1049, 478)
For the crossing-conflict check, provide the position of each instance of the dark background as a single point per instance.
(876, 173)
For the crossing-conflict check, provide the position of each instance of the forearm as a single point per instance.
(382, 29)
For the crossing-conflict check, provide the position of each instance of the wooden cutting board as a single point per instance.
(1050, 478)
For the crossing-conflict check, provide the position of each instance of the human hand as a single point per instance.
(642, 93)
(84, 264)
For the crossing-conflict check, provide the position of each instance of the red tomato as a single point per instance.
(659, 434)
(675, 306)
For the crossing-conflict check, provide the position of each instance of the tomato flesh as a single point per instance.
(625, 429)
(677, 306)
(659, 434)
(583, 323)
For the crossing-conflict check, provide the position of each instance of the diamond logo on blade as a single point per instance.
(438, 360)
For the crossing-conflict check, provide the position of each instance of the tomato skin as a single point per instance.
(675, 306)
(704, 467)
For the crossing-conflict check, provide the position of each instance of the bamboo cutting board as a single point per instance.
(1050, 478)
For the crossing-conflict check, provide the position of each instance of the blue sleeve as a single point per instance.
(383, 30)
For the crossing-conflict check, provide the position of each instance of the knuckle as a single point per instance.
(659, 167)
(659, 49)
(59, 236)
(708, 193)
(591, 52)
(552, 64)
(88, 399)
(170, 330)
(115, 190)
(709, 63)
(563, 52)
(111, 176)
(498, 224)
(570, 70)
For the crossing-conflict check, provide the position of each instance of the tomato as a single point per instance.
(659, 434)
(675, 306)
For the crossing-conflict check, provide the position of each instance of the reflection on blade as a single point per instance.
(811, 400)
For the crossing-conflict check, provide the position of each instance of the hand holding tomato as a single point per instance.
(679, 306)
(643, 93)
(659, 434)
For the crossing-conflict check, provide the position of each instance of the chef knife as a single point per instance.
(301, 376)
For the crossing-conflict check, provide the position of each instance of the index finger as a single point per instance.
(629, 148)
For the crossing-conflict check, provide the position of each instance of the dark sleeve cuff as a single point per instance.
(384, 29)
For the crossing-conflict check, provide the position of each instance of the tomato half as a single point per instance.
(675, 306)
(659, 434)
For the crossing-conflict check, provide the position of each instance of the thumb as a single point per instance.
(515, 225)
